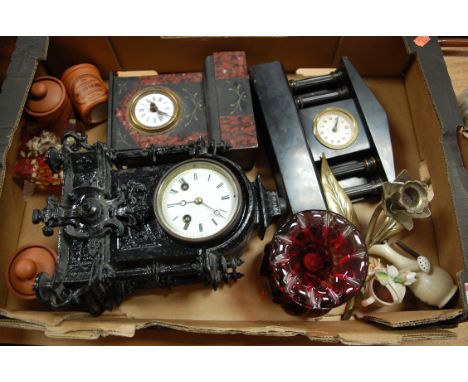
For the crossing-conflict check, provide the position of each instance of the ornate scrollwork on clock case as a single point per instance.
(110, 242)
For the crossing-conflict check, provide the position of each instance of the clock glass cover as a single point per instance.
(335, 128)
(198, 200)
(154, 110)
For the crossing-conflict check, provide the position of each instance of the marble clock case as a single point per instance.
(215, 104)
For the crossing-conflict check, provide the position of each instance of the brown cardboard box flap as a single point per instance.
(245, 307)
(351, 332)
(412, 318)
(393, 338)
(363, 333)
(42, 319)
(137, 73)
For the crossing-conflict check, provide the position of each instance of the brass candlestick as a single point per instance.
(402, 201)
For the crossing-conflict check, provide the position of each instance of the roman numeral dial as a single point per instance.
(154, 109)
(198, 200)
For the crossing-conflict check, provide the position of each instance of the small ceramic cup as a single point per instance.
(383, 295)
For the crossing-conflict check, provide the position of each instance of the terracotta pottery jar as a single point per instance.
(25, 265)
(48, 101)
(88, 92)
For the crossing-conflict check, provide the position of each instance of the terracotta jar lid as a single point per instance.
(25, 265)
(88, 92)
(48, 100)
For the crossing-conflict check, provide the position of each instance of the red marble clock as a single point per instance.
(172, 109)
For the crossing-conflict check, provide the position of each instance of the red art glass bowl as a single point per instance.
(316, 261)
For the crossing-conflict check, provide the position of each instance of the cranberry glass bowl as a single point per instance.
(316, 261)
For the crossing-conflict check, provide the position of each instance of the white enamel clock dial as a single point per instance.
(154, 110)
(198, 200)
(335, 128)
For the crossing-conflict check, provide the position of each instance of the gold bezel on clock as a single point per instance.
(354, 126)
(147, 129)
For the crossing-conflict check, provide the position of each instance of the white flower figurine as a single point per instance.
(387, 276)
(391, 275)
(406, 277)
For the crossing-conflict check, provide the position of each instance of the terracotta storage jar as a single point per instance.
(25, 265)
(48, 101)
(88, 92)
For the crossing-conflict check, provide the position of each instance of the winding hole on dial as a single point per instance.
(198, 200)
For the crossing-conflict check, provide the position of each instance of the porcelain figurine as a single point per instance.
(434, 286)
(386, 285)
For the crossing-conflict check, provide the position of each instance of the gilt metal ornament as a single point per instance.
(402, 201)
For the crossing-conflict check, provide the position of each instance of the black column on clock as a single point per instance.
(357, 193)
(353, 167)
(296, 174)
(321, 96)
(330, 81)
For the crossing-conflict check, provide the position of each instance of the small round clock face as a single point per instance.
(154, 110)
(335, 128)
(198, 200)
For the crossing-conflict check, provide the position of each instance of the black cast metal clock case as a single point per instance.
(110, 242)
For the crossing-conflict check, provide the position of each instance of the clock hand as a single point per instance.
(164, 113)
(216, 212)
(335, 128)
(181, 203)
(154, 109)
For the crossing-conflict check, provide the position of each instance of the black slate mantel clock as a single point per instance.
(335, 115)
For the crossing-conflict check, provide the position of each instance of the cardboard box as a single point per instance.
(412, 84)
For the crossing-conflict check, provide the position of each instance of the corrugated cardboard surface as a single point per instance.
(372, 56)
(245, 307)
(320, 334)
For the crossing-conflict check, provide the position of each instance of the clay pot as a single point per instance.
(24, 267)
(48, 100)
(88, 92)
